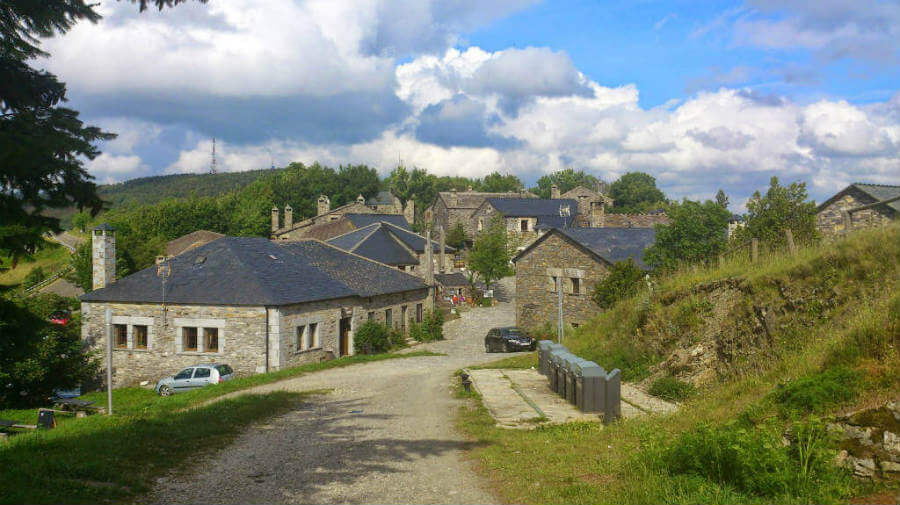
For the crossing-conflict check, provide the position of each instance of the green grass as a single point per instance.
(518, 360)
(115, 458)
(671, 389)
(138, 400)
(51, 257)
(833, 305)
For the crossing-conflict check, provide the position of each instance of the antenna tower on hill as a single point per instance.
(213, 169)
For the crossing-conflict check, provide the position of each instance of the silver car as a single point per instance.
(194, 377)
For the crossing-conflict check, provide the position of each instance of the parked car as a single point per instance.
(61, 317)
(194, 377)
(508, 339)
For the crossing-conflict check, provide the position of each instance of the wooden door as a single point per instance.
(344, 336)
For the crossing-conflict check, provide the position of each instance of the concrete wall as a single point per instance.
(242, 333)
(536, 297)
(829, 220)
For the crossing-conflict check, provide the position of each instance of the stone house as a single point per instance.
(526, 219)
(830, 214)
(255, 304)
(591, 204)
(314, 226)
(395, 246)
(451, 207)
(452, 284)
(648, 220)
(578, 258)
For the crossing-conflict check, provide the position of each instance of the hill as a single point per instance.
(150, 190)
(780, 367)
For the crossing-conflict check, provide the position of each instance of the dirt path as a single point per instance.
(384, 435)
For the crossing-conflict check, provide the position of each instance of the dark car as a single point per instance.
(61, 317)
(509, 339)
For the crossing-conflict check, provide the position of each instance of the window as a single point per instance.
(524, 225)
(301, 338)
(312, 340)
(224, 370)
(480, 223)
(211, 339)
(371, 316)
(120, 332)
(552, 285)
(189, 339)
(184, 374)
(139, 333)
(201, 373)
(419, 315)
(387, 318)
(576, 286)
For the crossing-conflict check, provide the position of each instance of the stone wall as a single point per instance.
(830, 221)
(242, 333)
(536, 297)
(632, 220)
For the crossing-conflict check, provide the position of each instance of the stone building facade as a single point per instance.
(830, 214)
(230, 301)
(609, 220)
(451, 207)
(579, 258)
(318, 225)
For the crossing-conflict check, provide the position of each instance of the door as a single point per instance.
(202, 376)
(403, 318)
(182, 380)
(344, 336)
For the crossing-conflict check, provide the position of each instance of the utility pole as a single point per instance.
(559, 328)
(109, 362)
(213, 169)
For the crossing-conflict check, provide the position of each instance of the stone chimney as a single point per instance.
(361, 200)
(443, 244)
(103, 256)
(274, 219)
(324, 205)
(288, 217)
(554, 192)
(428, 267)
(409, 212)
(469, 189)
(454, 198)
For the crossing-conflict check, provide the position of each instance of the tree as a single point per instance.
(497, 183)
(636, 192)
(782, 208)
(457, 236)
(490, 255)
(696, 233)
(624, 279)
(80, 221)
(722, 198)
(566, 180)
(82, 267)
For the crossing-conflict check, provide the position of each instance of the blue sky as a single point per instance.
(702, 95)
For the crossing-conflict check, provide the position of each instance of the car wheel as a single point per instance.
(166, 391)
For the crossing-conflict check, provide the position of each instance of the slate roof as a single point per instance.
(608, 244)
(190, 241)
(877, 192)
(378, 244)
(363, 220)
(452, 279)
(474, 199)
(255, 271)
(352, 241)
(531, 207)
(382, 198)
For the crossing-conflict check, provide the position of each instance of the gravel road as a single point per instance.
(385, 434)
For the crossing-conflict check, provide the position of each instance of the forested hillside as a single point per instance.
(150, 190)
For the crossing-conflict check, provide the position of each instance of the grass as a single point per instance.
(138, 400)
(834, 305)
(115, 458)
(518, 360)
(51, 257)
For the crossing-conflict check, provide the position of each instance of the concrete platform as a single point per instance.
(521, 398)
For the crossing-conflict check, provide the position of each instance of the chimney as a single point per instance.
(429, 260)
(454, 198)
(469, 189)
(324, 205)
(288, 217)
(361, 200)
(103, 256)
(554, 192)
(274, 219)
(410, 211)
(443, 245)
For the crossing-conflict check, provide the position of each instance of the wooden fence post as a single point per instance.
(790, 242)
(754, 250)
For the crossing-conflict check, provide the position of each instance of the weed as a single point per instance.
(672, 389)
(816, 393)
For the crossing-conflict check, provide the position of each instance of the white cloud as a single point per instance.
(108, 168)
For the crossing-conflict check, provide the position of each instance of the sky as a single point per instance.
(701, 95)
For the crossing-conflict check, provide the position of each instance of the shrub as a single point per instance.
(755, 461)
(671, 389)
(372, 338)
(623, 281)
(818, 392)
(35, 276)
(430, 329)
